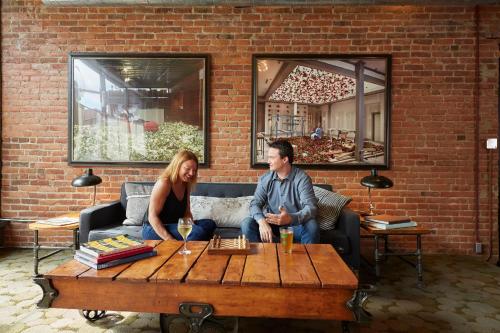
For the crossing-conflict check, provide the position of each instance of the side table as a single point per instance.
(377, 233)
(37, 227)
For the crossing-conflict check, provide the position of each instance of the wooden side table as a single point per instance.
(379, 256)
(37, 226)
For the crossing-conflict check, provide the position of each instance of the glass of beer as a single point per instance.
(184, 227)
(286, 239)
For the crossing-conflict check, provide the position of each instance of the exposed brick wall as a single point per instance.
(432, 127)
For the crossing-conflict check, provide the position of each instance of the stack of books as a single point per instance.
(385, 221)
(113, 251)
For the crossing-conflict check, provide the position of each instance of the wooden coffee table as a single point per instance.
(311, 283)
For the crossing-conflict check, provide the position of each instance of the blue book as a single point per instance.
(112, 263)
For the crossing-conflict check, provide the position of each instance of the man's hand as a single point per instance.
(283, 218)
(266, 233)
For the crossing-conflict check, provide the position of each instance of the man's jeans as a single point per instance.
(203, 230)
(306, 233)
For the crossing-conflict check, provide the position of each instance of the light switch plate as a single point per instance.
(491, 143)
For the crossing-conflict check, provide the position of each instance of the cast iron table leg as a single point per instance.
(36, 248)
(419, 260)
(377, 258)
(76, 242)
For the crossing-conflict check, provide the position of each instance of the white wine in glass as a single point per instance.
(184, 227)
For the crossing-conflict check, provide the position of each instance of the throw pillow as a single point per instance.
(137, 202)
(330, 206)
(226, 212)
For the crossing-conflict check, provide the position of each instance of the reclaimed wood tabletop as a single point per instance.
(311, 282)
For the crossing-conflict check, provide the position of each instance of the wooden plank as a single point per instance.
(261, 268)
(106, 273)
(208, 269)
(234, 270)
(296, 269)
(248, 301)
(176, 268)
(68, 270)
(331, 269)
(141, 270)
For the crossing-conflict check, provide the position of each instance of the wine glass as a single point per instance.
(184, 227)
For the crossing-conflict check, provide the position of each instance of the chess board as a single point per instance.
(239, 245)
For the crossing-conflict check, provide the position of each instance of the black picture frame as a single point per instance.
(315, 102)
(137, 109)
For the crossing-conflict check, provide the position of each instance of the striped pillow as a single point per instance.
(330, 206)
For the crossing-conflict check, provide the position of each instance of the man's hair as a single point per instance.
(285, 149)
(171, 173)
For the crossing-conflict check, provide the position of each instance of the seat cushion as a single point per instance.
(115, 230)
(338, 239)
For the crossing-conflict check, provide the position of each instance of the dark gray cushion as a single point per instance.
(338, 239)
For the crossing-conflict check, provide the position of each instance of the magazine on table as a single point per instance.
(113, 245)
(60, 220)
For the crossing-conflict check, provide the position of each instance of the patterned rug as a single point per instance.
(461, 294)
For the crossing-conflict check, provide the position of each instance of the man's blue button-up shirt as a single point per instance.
(295, 193)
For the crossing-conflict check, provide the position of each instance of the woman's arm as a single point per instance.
(188, 206)
(159, 194)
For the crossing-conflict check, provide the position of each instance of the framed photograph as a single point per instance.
(137, 109)
(334, 109)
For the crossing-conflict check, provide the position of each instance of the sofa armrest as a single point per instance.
(349, 224)
(100, 216)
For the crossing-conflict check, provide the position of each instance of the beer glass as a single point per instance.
(286, 239)
(184, 227)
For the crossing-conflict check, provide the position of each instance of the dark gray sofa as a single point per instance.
(105, 220)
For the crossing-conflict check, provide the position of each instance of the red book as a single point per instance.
(114, 256)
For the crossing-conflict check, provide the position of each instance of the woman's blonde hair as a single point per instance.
(171, 172)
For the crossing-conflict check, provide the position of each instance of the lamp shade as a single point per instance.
(376, 181)
(87, 179)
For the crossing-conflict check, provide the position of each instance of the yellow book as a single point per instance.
(108, 246)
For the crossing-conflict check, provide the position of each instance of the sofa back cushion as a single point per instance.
(330, 205)
(226, 212)
(209, 201)
(137, 196)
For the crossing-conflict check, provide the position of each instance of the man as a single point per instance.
(318, 133)
(284, 196)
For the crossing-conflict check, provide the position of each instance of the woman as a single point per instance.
(170, 201)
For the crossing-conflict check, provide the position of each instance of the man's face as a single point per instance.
(274, 159)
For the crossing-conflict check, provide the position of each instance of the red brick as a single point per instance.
(432, 128)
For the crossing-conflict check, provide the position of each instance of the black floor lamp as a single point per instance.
(87, 179)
